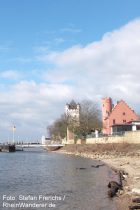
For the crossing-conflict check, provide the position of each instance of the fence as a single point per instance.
(128, 137)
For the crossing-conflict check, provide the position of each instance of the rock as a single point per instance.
(112, 192)
(82, 168)
(97, 166)
(114, 184)
(136, 190)
(125, 176)
(122, 164)
(114, 187)
(127, 188)
(121, 192)
(134, 207)
(136, 177)
(136, 200)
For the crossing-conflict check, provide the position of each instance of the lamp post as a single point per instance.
(14, 129)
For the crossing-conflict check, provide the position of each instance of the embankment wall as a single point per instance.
(128, 137)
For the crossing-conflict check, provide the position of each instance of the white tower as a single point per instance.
(72, 111)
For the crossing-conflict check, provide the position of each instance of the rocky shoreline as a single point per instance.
(121, 157)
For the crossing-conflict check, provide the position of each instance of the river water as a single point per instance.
(36, 179)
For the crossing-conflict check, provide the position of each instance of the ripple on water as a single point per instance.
(40, 173)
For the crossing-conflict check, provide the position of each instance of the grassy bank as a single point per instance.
(105, 149)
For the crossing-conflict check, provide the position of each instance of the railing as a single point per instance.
(100, 135)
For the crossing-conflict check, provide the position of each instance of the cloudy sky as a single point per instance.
(52, 51)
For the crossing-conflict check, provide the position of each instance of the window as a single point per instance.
(124, 121)
(123, 113)
(114, 121)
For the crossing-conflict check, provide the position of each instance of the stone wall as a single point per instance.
(128, 137)
(132, 137)
(70, 141)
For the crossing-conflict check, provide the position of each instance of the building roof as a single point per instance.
(72, 105)
(117, 106)
(121, 124)
(133, 122)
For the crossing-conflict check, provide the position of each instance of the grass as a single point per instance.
(104, 148)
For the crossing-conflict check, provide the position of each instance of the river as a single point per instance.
(36, 179)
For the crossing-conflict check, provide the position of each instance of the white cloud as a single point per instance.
(31, 107)
(109, 67)
(10, 74)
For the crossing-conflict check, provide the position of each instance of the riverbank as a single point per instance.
(124, 157)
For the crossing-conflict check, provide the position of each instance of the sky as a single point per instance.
(53, 51)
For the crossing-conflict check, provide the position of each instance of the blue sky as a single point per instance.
(27, 26)
(52, 51)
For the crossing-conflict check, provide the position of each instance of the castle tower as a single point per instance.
(72, 111)
(106, 110)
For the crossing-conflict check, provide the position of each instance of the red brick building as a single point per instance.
(121, 113)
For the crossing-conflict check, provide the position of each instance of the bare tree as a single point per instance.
(57, 130)
(89, 119)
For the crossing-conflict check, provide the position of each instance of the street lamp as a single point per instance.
(14, 129)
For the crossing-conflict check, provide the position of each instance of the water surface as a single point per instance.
(51, 175)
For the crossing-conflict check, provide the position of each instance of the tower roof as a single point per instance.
(72, 105)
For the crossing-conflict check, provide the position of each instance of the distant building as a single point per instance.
(45, 141)
(119, 115)
(129, 126)
(72, 112)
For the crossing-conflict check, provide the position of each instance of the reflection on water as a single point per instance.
(56, 179)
